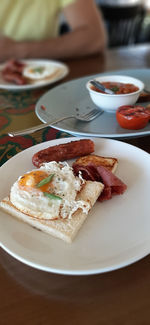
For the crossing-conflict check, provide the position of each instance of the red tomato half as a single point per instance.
(132, 117)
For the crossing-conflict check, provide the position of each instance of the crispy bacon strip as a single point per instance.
(63, 152)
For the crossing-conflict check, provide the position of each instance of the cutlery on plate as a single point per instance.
(98, 85)
(91, 115)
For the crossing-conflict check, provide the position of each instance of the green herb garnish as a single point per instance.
(45, 180)
(52, 196)
(114, 89)
(38, 69)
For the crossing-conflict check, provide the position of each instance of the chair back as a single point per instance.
(123, 23)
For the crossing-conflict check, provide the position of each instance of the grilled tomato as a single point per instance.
(132, 117)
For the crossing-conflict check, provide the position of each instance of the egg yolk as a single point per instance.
(30, 180)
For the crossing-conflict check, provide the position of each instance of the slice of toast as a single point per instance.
(144, 97)
(107, 162)
(65, 229)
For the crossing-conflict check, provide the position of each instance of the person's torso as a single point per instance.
(30, 19)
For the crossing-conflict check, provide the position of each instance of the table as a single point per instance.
(29, 296)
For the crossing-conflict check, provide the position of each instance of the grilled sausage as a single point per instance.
(63, 152)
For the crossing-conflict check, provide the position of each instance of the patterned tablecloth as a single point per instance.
(17, 111)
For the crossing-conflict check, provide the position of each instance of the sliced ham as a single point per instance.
(113, 185)
(88, 172)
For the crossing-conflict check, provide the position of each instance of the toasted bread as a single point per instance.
(65, 229)
(107, 162)
(144, 97)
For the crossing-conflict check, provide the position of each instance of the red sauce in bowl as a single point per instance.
(117, 87)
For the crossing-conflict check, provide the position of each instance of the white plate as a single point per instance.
(115, 234)
(66, 98)
(61, 71)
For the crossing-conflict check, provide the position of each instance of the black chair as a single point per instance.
(123, 23)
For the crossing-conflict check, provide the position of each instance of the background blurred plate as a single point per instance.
(71, 97)
(61, 71)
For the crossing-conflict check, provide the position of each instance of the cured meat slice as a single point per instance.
(88, 172)
(14, 77)
(12, 72)
(14, 65)
(112, 184)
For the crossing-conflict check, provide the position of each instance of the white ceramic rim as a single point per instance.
(106, 241)
(139, 84)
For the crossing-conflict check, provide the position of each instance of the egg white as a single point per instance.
(65, 185)
(46, 71)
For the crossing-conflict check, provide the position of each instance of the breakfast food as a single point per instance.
(144, 97)
(117, 87)
(57, 198)
(63, 151)
(133, 117)
(52, 199)
(37, 72)
(13, 72)
(110, 163)
(14, 65)
(101, 169)
(20, 73)
(92, 167)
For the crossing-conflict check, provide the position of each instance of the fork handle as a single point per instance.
(38, 127)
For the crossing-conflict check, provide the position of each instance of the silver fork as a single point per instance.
(83, 117)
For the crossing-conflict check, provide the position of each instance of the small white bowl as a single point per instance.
(110, 103)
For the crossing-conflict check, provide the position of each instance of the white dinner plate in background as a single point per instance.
(60, 70)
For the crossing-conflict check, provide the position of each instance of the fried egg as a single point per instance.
(38, 71)
(49, 192)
